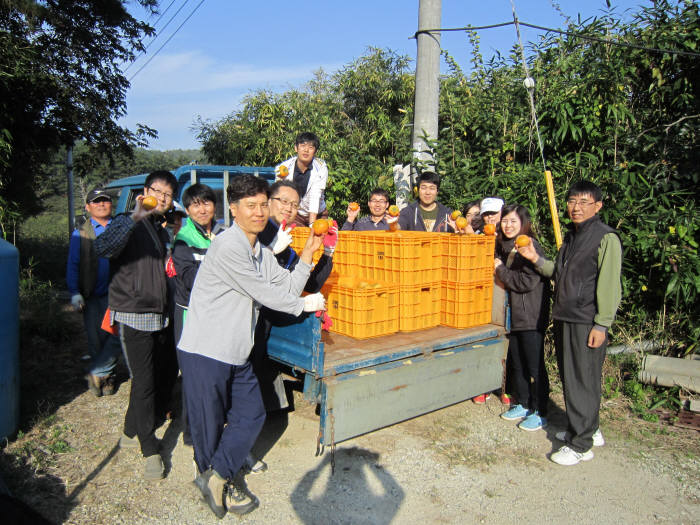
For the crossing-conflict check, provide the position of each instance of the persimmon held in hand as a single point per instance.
(393, 210)
(283, 171)
(461, 223)
(455, 214)
(490, 229)
(148, 203)
(320, 227)
(522, 240)
(354, 206)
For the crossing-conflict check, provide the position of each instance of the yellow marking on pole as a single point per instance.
(553, 207)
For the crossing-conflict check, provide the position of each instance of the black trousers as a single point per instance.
(580, 368)
(151, 359)
(528, 375)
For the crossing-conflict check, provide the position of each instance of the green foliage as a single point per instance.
(625, 118)
(60, 81)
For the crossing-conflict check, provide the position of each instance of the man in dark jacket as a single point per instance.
(586, 296)
(376, 220)
(284, 202)
(426, 214)
(135, 243)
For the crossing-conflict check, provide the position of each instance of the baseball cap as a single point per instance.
(97, 193)
(491, 205)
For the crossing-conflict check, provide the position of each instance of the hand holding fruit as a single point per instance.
(462, 225)
(281, 171)
(145, 205)
(489, 229)
(526, 250)
(330, 239)
(352, 211)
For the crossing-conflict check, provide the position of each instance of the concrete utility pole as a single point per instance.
(425, 114)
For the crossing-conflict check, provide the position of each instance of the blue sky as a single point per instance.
(230, 48)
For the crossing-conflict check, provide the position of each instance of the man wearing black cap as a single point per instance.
(87, 276)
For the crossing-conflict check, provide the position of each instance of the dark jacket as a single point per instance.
(576, 272)
(365, 224)
(288, 259)
(528, 290)
(191, 244)
(138, 272)
(410, 218)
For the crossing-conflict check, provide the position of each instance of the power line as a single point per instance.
(163, 13)
(168, 40)
(561, 32)
(160, 32)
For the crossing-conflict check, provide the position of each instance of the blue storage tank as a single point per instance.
(9, 339)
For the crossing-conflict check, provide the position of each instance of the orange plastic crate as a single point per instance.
(467, 258)
(420, 306)
(343, 248)
(361, 308)
(466, 304)
(403, 258)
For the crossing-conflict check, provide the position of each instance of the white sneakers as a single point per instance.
(598, 440)
(567, 457)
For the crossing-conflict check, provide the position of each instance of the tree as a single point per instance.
(60, 81)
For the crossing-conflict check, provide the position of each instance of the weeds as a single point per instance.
(48, 439)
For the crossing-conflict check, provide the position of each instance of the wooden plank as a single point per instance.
(688, 419)
(343, 353)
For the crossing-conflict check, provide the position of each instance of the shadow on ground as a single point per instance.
(360, 491)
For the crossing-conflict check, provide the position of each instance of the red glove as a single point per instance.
(326, 321)
(330, 240)
(170, 268)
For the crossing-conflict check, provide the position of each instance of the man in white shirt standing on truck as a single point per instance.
(222, 393)
(310, 176)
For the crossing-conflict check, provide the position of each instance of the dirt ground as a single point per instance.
(462, 464)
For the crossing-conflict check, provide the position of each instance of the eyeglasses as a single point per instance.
(377, 201)
(572, 203)
(306, 145)
(160, 193)
(285, 203)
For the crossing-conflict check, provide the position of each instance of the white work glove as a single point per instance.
(281, 240)
(78, 302)
(314, 302)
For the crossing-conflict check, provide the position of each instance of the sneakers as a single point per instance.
(253, 465)
(212, 487)
(237, 498)
(533, 422)
(480, 400)
(109, 385)
(127, 442)
(567, 457)
(154, 469)
(598, 440)
(516, 412)
(506, 399)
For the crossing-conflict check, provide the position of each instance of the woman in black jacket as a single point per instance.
(529, 304)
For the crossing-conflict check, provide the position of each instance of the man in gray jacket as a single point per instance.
(222, 394)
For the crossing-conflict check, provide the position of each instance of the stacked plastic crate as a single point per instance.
(467, 279)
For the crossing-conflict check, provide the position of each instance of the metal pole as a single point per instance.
(71, 205)
(425, 120)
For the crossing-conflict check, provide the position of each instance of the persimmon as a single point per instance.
(282, 171)
(522, 240)
(393, 210)
(461, 223)
(148, 203)
(455, 214)
(354, 206)
(320, 227)
(490, 229)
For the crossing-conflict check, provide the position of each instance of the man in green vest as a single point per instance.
(87, 276)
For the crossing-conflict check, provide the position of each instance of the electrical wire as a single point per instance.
(166, 42)
(163, 13)
(561, 32)
(160, 32)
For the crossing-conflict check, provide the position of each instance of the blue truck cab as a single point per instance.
(124, 191)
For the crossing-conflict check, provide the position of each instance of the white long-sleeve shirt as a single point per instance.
(314, 200)
(233, 282)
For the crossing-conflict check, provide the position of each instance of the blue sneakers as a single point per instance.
(517, 412)
(533, 422)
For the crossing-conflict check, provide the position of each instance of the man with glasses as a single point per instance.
(135, 244)
(87, 276)
(310, 176)
(376, 220)
(284, 203)
(587, 293)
